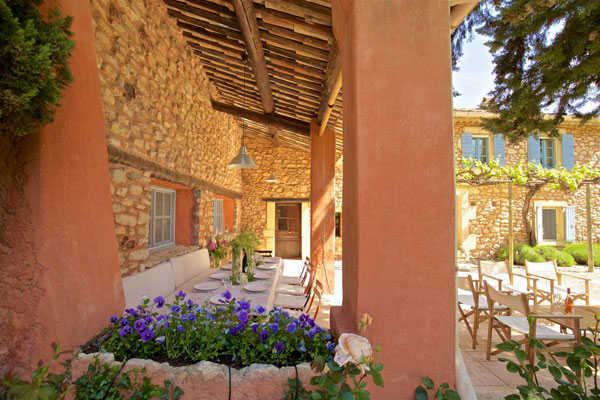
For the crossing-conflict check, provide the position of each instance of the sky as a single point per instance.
(475, 79)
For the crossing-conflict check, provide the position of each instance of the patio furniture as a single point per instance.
(301, 289)
(164, 279)
(520, 323)
(298, 280)
(302, 303)
(475, 303)
(551, 282)
(498, 272)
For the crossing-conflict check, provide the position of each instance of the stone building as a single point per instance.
(557, 218)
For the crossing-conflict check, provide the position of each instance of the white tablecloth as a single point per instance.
(264, 299)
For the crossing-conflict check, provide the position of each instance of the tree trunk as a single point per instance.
(525, 214)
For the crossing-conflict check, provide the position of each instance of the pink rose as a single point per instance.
(212, 246)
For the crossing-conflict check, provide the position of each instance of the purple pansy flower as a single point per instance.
(226, 294)
(264, 335)
(210, 316)
(254, 327)
(184, 318)
(125, 331)
(301, 347)
(311, 333)
(260, 310)
(147, 335)
(244, 305)
(139, 325)
(114, 319)
(181, 295)
(274, 327)
(330, 347)
(291, 327)
(234, 330)
(148, 320)
(243, 316)
(191, 317)
(124, 322)
(278, 347)
(180, 328)
(159, 301)
(175, 309)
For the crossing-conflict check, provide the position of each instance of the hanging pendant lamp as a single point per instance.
(243, 160)
(272, 177)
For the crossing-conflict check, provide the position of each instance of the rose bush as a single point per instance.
(235, 333)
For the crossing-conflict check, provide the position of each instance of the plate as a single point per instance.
(219, 300)
(256, 287)
(220, 275)
(207, 286)
(270, 259)
(226, 267)
(267, 266)
(263, 275)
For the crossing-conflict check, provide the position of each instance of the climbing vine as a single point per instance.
(529, 175)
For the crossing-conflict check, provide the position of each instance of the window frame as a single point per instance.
(152, 220)
(220, 222)
(561, 222)
(555, 159)
(489, 149)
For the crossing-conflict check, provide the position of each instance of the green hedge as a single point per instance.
(523, 252)
(579, 251)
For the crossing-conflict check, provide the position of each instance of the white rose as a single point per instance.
(354, 349)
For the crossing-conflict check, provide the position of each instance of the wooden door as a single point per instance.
(288, 230)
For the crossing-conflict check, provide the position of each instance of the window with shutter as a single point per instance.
(569, 224)
(568, 152)
(533, 149)
(499, 152)
(467, 145)
(162, 219)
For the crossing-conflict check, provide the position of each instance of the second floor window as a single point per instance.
(162, 219)
(480, 149)
(547, 153)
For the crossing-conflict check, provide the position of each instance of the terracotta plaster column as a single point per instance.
(322, 205)
(399, 232)
(61, 277)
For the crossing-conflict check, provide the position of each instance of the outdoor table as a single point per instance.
(265, 299)
(587, 313)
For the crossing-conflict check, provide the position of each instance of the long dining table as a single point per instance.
(264, 298)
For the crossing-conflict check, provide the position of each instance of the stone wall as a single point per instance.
(485, 209)
(156, 100)
(291, 167)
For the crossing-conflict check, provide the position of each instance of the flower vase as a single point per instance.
(236, 267)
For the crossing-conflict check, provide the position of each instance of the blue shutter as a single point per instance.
(533, 149)
(499, 148)
(539, 224)
(568, 154)
(570, 224)
(467, 145)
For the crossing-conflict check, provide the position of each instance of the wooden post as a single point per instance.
(588, 199)
(511, 244)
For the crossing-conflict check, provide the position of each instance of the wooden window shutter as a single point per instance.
(499, 152)
(467, 145)
(570, 224)
(533, 149)
(539, 224)
(568, 153)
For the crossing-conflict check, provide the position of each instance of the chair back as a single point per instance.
(517, 303)
(317, 293)
(492, 267)
(547, 268)
(465, 283)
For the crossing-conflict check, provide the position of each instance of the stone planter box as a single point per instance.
(210, 381)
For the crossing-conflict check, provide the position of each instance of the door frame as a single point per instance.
(300, 209)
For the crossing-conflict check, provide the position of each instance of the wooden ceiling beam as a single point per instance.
(244, 11)
(331, 86)
(286, 123)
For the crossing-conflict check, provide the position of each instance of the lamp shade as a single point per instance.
(272, 177)
(242, 160)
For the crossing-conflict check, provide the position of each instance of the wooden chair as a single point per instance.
(475, 304)
(298, 280)
(551, 282)
(520, 323)
(303, 289)
(498, 272)
(301, 303)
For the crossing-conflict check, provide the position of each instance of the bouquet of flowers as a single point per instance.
(218, 249)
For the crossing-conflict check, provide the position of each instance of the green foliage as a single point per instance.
(44, 385)
(539, 253)
(33, 65)
(101, 381)
(583, 359)
(443, 392)
(579, 251)
(546, 55)
(337, 382)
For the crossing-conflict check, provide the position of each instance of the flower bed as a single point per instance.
(185, 333)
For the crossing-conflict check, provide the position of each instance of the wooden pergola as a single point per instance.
(293, 71)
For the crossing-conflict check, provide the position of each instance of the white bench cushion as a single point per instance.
(153, 282)
(542, 332)
(189, 265)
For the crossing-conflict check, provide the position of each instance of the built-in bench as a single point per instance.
(165, 278)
